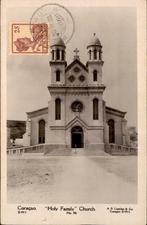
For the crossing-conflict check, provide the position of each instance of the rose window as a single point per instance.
(81, 78)
(77, 106)
(76, 69)
(71, 78)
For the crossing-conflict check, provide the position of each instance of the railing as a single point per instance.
(40, 148)
(112, 149)
(115, 149)
(30, 149)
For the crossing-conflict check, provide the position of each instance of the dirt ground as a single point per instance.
(72, 179)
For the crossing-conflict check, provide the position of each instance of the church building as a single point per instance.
(77, 115)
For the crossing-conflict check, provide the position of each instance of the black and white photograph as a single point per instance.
(72, 125)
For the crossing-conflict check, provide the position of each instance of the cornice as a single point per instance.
(99, 62)
(58, 62)
(115, 112)
(64, 86)
(38, 112)
(87, 128)
(76, 89)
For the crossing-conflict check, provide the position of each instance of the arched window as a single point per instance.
(95, 75)
(62, 54)
(100, 55)
(95, 109)
(41, 138)
(58, 109)
(111, 125)
(95, 54)
(57, 54)
(58, 75)
(52, 54)
(90, 54)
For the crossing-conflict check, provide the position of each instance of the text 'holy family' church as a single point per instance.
(77, 115)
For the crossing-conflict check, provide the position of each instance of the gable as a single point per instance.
(76, 74)
(115, 112)
(76, 61)
(76, 121)
(38, 112)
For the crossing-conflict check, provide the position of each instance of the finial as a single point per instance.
(57, 34)
(94, 34)
(76, 56)
(76, 51)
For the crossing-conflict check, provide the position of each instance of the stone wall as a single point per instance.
(114, 149)
(32, 129)
(68, 115)
(118, 128)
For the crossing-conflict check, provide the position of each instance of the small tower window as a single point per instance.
(58, 75)
(52, 54)
(90, 54)
(95, 75)
(58, 109)
(62, 54)
(95, 109)
(100, 55)
(95, 54)
(57, 54)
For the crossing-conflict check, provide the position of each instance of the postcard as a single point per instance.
(73, 125)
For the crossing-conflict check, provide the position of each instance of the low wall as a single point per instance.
(115, 149)
(112, 149)
(42, 148)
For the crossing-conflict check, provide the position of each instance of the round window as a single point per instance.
(81, 78)
(77, 106)
(76, 69)
(71, 78)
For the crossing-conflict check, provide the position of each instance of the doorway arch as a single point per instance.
(41, 138)
(77, 137)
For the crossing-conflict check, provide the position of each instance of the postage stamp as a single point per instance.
(29, 39)
(58, 17)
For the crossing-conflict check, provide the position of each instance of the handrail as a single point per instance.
(25, 149)
(113, 148)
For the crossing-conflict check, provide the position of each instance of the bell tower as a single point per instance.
(58, 61)
(95, 61)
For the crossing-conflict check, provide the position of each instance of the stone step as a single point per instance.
(77, 152)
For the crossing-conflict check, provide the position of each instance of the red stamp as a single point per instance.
(29, 38)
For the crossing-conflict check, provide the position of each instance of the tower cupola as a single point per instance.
(94, 49)
(57, 49)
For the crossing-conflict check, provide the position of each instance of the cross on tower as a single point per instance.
(76, 53)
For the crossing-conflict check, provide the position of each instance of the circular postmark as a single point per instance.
(59, 19)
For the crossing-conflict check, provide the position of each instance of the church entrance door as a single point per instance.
(77, 137)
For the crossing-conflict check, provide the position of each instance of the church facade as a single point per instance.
(77, 115)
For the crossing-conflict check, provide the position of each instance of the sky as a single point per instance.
(28, 76)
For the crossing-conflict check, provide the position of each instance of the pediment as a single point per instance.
(76, 122)
(76, 64)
